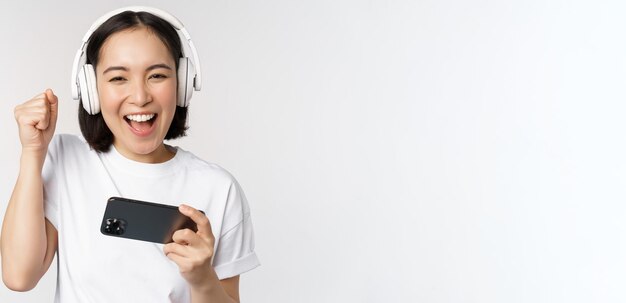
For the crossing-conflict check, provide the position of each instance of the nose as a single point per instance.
(140, 94)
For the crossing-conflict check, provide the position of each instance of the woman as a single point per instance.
(136, 99)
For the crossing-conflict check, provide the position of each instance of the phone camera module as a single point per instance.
(115, 226)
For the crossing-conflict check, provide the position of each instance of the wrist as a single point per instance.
(208, 287)
(32, 159)
(208, 284)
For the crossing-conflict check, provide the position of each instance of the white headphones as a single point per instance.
(84, 76)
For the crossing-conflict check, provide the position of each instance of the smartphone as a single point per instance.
(144, 221)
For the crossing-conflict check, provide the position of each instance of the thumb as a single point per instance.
(54, 107)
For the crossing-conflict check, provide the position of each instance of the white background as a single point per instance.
(391, 151)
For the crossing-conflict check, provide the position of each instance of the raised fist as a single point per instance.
(36, 120)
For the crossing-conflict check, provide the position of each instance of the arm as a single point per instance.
(28, 241)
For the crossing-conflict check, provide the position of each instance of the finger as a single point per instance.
(39, 105)
(201, 220)
(181, 250)
(37, 102)
(44, 122)
(178, 259)
(54, 107)
(38, 96)
(181, 261)
(29, 118)
(30, 114)
(50, 96)
(186, 237)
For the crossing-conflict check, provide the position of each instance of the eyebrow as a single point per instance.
(151, 67)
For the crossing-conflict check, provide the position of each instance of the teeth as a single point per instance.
(140, 118)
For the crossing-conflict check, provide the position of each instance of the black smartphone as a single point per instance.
(141, 220)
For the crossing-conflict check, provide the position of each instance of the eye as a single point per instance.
(117, 79)
(158, 76)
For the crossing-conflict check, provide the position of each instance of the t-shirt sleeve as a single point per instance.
(51, 182)
(235, 253)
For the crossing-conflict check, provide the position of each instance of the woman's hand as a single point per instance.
(36, 120)
(193, 251)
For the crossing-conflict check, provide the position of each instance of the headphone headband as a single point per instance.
(80, 59)
(155, 11)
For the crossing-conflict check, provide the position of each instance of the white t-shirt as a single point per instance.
(93, 267)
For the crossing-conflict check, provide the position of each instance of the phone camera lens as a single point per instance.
(115, 226)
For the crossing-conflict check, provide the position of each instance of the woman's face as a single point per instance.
(136, 78)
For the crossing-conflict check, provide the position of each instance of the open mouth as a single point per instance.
(141, 123)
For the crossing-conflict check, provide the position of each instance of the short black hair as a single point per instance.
(94, 129)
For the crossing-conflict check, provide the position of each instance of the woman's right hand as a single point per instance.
(36, 120)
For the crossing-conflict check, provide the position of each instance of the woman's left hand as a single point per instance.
(193, 251)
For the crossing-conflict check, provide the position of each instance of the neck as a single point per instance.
(159, 155)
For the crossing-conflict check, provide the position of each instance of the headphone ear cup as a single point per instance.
(186, 74)
(88, 89)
